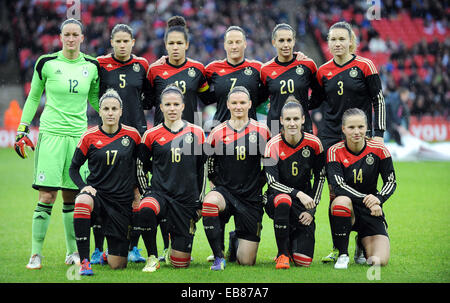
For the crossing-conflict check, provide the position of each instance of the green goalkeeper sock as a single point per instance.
(67, 216)
(41, 220)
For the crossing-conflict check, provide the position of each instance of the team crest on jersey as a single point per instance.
(41, 176)
(306, 153)
(85, 72)
(248, 71)
(369, 159)
(136, 67)
(191, 72)
(189, 138)
(125, 141)
(252, 138)
(299, 70)
(353, 72)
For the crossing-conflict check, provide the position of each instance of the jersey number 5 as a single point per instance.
(123, 82)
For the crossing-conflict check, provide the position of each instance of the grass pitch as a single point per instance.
(418, 215)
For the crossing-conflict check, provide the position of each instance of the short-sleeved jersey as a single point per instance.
(235, 158)
(355, 84)
(290, 169)
(189, 77)
(223, 76)
(129, 79)
(177, 161)
(68, 85)
(356, 175)
(282, 79)
(111, 161)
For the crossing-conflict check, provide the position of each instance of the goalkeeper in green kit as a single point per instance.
(70, 79)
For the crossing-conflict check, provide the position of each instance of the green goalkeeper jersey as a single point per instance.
(68, 85)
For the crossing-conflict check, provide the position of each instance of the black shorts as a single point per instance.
(247, 215)
(366, 224)
(301, 237)
(181, 220)
(115, 219)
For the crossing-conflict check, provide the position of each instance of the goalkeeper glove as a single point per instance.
(23, 143)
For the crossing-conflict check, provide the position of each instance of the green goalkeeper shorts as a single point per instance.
(52, 162)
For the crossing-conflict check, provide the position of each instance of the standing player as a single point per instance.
(293, 157)
(353, 168)
(234, 70)
(187, 74)
(70, 79)
(235, 149)
(127, 74)
(347, 81)
(173, 150)
(111, 152)
(284, 76)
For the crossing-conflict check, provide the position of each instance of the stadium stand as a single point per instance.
(409, 44)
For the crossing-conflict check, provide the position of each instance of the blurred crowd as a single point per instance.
(35, 25)
(417, 61)
(207, 21)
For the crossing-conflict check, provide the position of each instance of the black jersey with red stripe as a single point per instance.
(177, 161)
(111, 161)
(189, 77)
(223, 76)
(282, 79)
(290, 169)
(356, 84)
(129, 79)
(356, 175)
(235, 158)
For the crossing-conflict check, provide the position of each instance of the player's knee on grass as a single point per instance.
(179, 259)
(377, 249)
(246, 253)
(117, 252)
(301, 260)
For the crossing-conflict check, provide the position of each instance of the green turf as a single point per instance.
(418, 216)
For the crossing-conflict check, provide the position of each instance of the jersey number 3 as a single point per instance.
(341, 88)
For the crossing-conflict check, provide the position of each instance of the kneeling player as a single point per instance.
(353, 167)
(111, 152)
(290, 158)
(174, 152)
(235, 149)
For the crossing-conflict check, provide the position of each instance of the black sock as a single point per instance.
(82, 227)
(135, 231)
(164, 232)
(99, 236)
(212, 231)
(281, 227)
(341, 226)
(147, 225)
